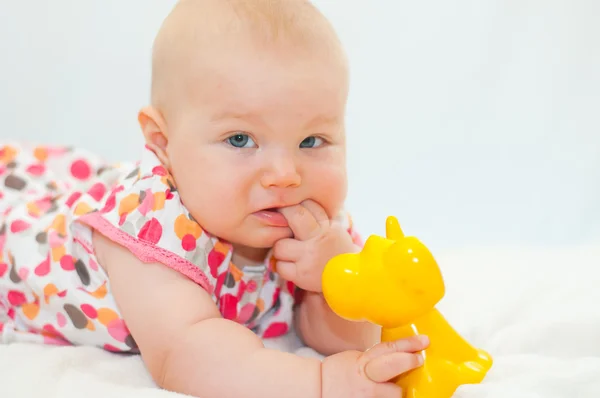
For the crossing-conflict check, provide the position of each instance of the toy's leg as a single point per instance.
(484, 359)
(436, 379)
(455, 348)
(471, 372)
(439, 378)
(450, 361)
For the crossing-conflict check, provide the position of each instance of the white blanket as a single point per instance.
(536, 310)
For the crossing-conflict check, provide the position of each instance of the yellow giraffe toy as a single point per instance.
(395, 282)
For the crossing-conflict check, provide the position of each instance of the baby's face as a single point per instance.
(260, 131)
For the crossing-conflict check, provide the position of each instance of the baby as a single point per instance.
(217, 238)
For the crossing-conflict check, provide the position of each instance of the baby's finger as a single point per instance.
(411, 344)
(386, 367)
(317, 211)
(288, 249)
(287, 270)
(291, 272)
(301, 221)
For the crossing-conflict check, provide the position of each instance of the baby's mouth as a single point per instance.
(272, 217)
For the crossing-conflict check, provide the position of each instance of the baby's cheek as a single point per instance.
(330, 189)
(208, 199)
(220, 199)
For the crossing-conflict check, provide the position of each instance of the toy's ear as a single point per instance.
(392, 229)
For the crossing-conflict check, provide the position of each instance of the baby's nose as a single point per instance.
(282, 172)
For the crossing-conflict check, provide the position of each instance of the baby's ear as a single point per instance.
(153, 127)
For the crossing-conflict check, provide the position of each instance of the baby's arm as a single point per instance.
(185, 343)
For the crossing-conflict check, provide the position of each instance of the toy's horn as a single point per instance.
(392, 229)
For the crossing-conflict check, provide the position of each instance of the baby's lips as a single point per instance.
(272, 217)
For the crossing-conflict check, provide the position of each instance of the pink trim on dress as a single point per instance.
(148, 252)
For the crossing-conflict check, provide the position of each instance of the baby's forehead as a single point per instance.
(198, 32)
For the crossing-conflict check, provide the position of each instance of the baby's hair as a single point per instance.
(266, 22)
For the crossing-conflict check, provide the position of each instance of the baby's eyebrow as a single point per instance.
(320, 120)
(256, 118)
(247, 116)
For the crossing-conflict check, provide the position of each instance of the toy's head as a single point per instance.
(390, 282)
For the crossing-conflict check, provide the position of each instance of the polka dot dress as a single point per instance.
(52, 290)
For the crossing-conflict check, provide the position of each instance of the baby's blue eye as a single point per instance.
(241, 141)
(311, 142)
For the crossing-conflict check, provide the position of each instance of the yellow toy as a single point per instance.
(395, 282)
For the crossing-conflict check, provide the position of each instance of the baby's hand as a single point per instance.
(317, 240)
(352, 374)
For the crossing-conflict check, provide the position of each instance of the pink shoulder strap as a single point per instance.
(145, 214)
